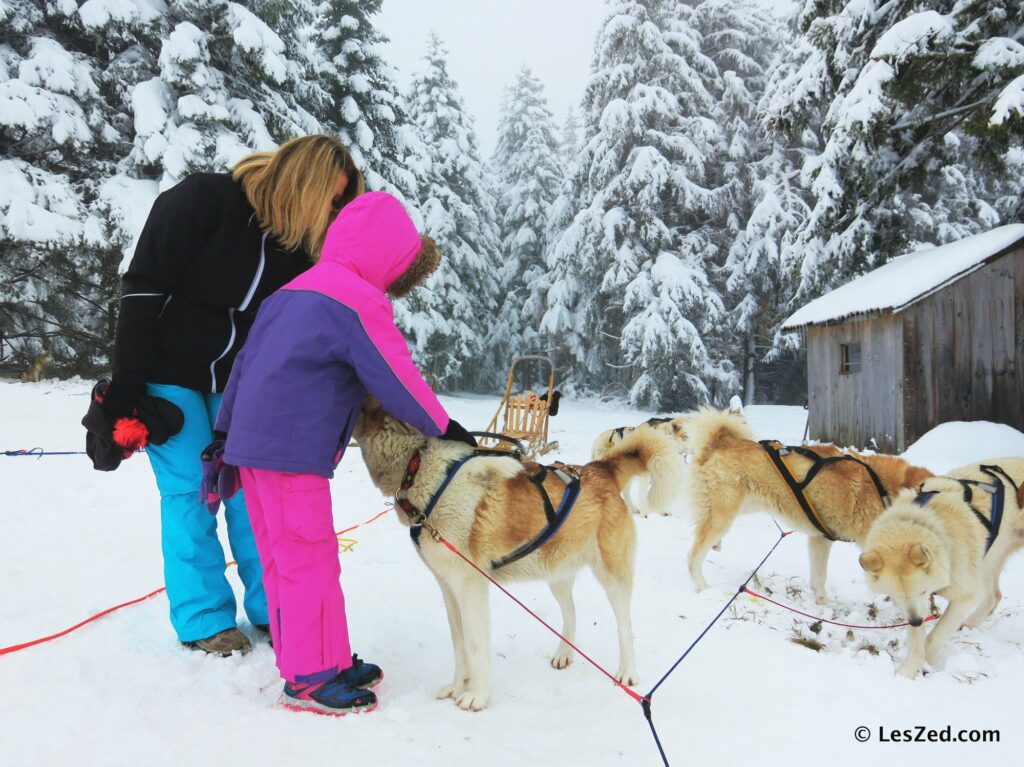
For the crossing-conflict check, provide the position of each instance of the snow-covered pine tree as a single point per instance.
(629, 295)
(913, 149)
(224, 87)
(449, 318)
(359, 99)
(744, 40)
(569, 138)
(527, 169)
(58, 140)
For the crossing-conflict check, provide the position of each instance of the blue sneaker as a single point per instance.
(335, 697)
(362, 675)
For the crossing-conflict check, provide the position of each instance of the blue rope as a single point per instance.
(38, 452)
(646, 702)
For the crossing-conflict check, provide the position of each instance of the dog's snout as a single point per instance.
(915, 621)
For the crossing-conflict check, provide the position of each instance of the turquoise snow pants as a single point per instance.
(202, 602)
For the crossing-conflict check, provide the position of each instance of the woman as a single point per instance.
(214, 246)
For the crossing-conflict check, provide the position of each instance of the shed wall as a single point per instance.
(854, 409)
(963, 350)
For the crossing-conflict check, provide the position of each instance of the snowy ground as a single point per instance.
(122, 692)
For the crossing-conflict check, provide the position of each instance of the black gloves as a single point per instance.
(111, 438)
(118, 400)
(456, 433)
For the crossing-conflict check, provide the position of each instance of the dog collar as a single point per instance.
(401, 497)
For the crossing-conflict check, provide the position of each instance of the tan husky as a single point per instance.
(731, 474)
(35, 370)
(934, 543)
(674, 428)
(491, 507)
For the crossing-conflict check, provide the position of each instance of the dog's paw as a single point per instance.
(821, 599)
(628, 677)
(452, 690)
(471, 701)
(909, 668)
(563, 658)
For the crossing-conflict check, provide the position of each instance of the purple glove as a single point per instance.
(220, 480)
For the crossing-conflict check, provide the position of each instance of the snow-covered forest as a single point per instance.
(722, 167)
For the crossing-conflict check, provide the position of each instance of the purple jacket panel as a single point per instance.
(298, 385)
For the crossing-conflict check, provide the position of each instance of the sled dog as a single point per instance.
(730, 474)
(491, 507)
(34, 372)
(934, 541)
(674, 428)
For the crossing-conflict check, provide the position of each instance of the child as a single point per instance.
(317, 347)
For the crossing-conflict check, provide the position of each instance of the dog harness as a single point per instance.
(555, 519)
(995, 488)
(777, 452)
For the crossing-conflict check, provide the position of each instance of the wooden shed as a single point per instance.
(932, 336)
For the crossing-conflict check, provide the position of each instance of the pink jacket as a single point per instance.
(323, 341)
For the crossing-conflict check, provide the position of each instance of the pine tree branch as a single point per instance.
(940, 116)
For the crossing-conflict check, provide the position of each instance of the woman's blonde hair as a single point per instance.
(293, 189)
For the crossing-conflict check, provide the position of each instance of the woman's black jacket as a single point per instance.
(201, 268)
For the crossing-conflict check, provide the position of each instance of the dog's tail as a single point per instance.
(647, 451)
(708, 426)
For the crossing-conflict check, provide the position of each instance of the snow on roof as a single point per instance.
(906, 279)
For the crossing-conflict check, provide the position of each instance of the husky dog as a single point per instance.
(34, 372)
(731, 474)
(674, 428)
(491, 507)
(934, 542)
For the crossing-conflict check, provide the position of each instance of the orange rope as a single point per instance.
(97, 616)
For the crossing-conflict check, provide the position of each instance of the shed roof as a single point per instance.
(906, 279)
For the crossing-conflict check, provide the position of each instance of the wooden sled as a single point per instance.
(520, 425)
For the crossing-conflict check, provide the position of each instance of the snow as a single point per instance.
(999, 53)
(1011, 99)
(908, 36)
(121, 691)
(957, 443)
(907, 278)
(99, 13)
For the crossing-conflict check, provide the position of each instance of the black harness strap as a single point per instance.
(820, 462)
(776, 452)
(555, 518)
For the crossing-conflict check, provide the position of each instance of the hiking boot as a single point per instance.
(335, 697)
(264, 630)
(362, 675)
(224, 643)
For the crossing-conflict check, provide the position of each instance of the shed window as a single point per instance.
(849, 358)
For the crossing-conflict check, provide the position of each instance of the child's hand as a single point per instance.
(220, 480)
(456, 433)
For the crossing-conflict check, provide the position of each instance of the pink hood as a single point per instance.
(374, 237)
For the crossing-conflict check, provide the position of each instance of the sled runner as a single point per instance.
(520, 424)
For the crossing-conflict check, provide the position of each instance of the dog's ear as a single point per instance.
(871, 561)
(920, 555)
(370, 419)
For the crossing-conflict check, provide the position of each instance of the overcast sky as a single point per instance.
(489, 41)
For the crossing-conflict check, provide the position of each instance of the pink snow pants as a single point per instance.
(291, 519)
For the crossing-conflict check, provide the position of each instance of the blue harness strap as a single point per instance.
(555, 518)
(996, 488)
(417, 524)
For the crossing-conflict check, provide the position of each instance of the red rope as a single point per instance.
(631, 693)
(23, 645)
(97, 616)
(825, 620)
